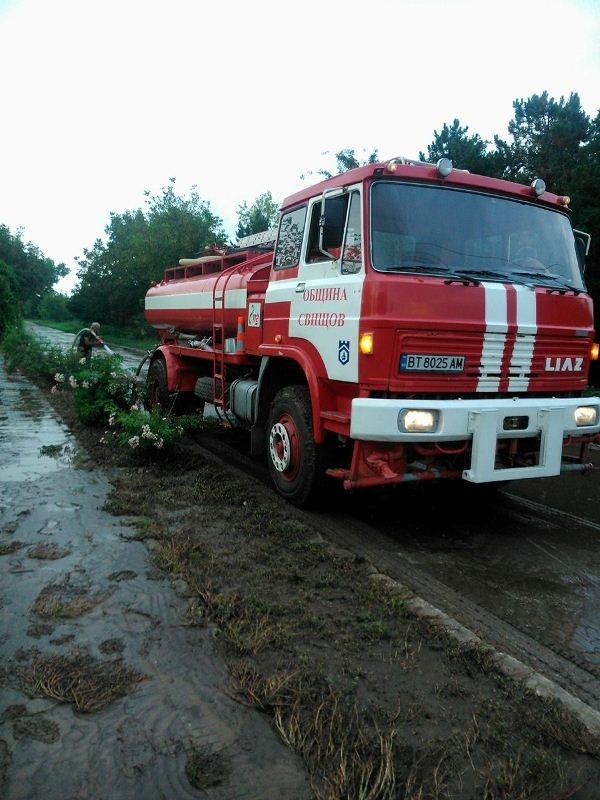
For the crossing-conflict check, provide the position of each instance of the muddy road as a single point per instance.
(139, 697)
(522, 575)
(520, 569)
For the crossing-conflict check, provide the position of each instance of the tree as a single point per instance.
(55, 307)
(547, 137)
(260, 216)
(585, 200)
(10, 304)
(35, 274)
(115, 274)
(465, 152)
(344, 160)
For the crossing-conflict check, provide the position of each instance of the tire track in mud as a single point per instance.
(576, 677)
(378, 541)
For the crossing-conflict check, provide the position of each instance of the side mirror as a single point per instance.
(582, 245)
(585, 239)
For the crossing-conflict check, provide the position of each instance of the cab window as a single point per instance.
(352, 252)
(289, 242)
(333, 230)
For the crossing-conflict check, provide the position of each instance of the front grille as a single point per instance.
(516, 359)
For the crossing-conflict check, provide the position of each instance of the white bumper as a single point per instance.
(482, 422)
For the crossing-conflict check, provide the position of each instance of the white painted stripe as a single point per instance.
(522, 356)
(494, 338)
(186, 301)
(526, 310)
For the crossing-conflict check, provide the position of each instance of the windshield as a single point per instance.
(470, 235)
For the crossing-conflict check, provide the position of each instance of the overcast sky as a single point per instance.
(104, 99)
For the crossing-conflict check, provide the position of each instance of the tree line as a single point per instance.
(547, 138)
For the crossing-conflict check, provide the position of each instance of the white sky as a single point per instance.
(103, 99)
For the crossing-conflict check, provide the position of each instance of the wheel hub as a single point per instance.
(280, 447)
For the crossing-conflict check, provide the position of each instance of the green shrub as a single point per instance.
(104, 394)
(146, 432)
(99, 387)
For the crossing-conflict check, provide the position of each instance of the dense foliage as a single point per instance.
(115, 274)
(32, 275)
(10, 303)
(103, 393)
(260, 216)
(547, 138)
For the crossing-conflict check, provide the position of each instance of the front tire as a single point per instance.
(294, 458)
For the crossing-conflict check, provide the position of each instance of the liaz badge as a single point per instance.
(344, 351)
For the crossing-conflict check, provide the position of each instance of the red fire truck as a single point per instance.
(405, 321)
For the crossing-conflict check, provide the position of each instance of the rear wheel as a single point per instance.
(294, 458)
(157, 392)
(159, 396)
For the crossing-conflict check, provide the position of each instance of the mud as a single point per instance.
(77, 585)
(100, 664)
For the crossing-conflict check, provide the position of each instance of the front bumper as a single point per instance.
(482, 422)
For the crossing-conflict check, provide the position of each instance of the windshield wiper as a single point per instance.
(484, 273)
(462, 277)
(423, 268)
(548, 276)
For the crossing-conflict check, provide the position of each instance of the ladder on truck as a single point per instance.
(266, 238)
(219, 389)
(263, 240)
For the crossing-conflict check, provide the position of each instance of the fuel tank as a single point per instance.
(204, 291)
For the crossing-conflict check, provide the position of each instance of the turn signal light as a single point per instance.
(595, 351)
(365, 344)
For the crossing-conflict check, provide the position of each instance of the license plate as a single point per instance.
(419, 362)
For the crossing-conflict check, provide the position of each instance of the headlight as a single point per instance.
(417, 421)
(586, 415)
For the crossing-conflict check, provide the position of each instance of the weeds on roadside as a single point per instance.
(103, 393)
(349, 753)
(283, 645)
(79, 680)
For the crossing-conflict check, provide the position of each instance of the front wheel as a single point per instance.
(292, 453)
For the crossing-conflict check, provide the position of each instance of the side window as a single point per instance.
(312, 248)
(335, 219)
(333, 230)
(352, 252)
(289, 242)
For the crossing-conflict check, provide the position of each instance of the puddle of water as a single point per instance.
(31, 444)
(76, 584)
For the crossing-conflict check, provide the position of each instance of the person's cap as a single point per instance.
(95, 325)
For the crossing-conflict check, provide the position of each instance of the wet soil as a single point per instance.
(171, 629)
(105, 692)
